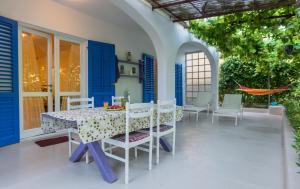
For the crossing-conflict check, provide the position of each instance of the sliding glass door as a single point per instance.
(51, 71)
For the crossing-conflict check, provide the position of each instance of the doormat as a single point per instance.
(52, 141)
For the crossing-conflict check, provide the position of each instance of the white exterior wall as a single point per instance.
(167, 38)
(51, 15)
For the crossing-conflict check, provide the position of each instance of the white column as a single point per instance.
(166, 75)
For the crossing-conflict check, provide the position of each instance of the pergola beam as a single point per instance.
(166, 5)
(256, 7)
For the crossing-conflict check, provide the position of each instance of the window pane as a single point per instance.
(195, 55)
(195, 62)
(35, 63)
(189, 81)
(189, 63)
(69, 66)
(189, 69)
(195, 88)
(189, 75)
(195, 68)
(201, 61)
(207, 67)
(188, 56)
(207, 74)
(195, 81)
(201, 81)
(195, 75)
(201, 68)
(201, 74)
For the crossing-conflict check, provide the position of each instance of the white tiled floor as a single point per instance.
(210, 157)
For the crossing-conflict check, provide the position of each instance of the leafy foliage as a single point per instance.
(235, 71)
(257, 45)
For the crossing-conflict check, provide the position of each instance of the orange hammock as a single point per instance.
(260, 92)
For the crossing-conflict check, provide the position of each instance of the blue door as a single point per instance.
(149, 78)
(9, 90)
(101, 72)
(178, 84)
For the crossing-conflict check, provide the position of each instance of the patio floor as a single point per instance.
(212, 157)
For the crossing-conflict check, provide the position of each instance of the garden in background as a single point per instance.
(261, 49)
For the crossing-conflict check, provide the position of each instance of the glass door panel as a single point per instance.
(36, 79)
(69, 71)
(69, 66)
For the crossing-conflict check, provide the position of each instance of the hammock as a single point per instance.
(261, 92)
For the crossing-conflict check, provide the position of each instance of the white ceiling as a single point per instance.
(103, 10)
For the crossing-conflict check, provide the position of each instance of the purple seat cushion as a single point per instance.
(133, 137)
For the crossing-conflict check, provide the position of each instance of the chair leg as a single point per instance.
(135, 152)
(174, 137)
(126, 165)
(110, 149)
(236, 119)
(87, 161)
(197, 116)
(212, 118)
(157, 150)
(103, 146)
(70, 144)
(150, 154)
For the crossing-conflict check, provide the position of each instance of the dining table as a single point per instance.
(95, 124)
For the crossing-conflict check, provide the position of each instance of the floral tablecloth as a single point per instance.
(96, 124)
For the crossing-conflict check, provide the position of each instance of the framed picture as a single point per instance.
(122, 69)
(133, 70)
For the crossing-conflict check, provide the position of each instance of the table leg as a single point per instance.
(79, 152)
(165, 144)
(99, 157)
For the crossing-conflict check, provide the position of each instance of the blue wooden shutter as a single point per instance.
(101, 71)
(178, 84)
(149, 78)
(9, 90)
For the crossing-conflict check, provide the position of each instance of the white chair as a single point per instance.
(231, 107)
(117, 100)
(76, 104)
(133, 139)
(165, 107)
(202, 103)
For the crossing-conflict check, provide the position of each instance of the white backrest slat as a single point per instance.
(82, 106)
(139, 114)
(166, 107)
(83, 103)
(135, 111)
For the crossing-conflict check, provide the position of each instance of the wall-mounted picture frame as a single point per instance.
(122, 69)
(133, 70)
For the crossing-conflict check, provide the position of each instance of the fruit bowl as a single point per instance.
(115, 108)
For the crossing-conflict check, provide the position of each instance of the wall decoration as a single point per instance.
(133, 70)
(122, 69)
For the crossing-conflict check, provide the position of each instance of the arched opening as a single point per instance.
(200, 71)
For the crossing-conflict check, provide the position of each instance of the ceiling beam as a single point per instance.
(166, 5)
(257, 7)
